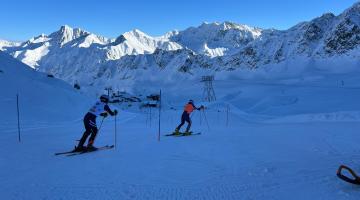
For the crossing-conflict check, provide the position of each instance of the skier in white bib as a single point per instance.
(101, 108)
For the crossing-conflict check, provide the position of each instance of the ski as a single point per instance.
(356, 178)
(65, 152)
(99, 148)
(182, 134)
(77, 152)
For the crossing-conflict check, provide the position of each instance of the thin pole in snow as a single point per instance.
(227, 115)
(115, 133)
(18, 115)
(159, 116)
(147, 116)
(200, 118)
(150, 117)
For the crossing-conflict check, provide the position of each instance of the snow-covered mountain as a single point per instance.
(68, 43)
(328, 42)
(136, 42)
(215, 39)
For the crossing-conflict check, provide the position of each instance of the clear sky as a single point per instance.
(23, 19)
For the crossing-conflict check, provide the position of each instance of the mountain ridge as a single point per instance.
(77, 55)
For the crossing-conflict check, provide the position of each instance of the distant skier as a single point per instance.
(185, 117)
(101, 108)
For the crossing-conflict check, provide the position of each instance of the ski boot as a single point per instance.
(187, 133)
(90, 147)
(176, 132)
(79, 149)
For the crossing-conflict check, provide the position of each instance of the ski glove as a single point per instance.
(104, 114)
(115, 112)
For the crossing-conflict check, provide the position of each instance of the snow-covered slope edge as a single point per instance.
(4, 44)
(41, 98)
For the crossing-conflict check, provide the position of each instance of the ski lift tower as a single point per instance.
(209, 93)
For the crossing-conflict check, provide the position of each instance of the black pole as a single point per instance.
(227, 115)
(102, 121)
(150, 117)
(18, 115)
(200, 118)
(115, 133)
(159, 116)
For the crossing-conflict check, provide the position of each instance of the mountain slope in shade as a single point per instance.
(38, 93)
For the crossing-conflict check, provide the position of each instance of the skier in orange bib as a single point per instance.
(185, 117)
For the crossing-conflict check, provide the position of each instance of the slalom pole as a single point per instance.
(227, 115)
(150, 117)
(115, 134)
(159, 116)
(18, 116)
(200, 119)
(147, 116)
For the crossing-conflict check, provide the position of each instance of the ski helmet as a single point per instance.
(191, 101)
(104, 98)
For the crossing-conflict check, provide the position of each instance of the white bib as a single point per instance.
(98, 108)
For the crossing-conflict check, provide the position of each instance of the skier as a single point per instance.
(101, 108)
(185, 117)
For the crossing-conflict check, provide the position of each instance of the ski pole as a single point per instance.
(101, 124)
(192, 114)
(99, 127)
(207, 123)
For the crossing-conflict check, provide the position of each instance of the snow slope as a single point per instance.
(42, 98)
(284, 139)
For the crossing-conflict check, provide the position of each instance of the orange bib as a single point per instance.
(189, 108)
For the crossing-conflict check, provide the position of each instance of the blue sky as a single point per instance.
(23, 19)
